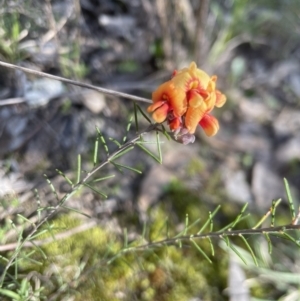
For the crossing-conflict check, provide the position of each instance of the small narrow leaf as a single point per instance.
(117, 167)
(38, 201)
(64, 176)
(289, 237)
(115, 142)
(237, 219)
(189, 227)
(211, 226)
(125, 238)
(135, 117)
(95, 190)
(96, 149)
(230, 224)
(75, 210)
(235, 250)
(78, 168)
(102, 179)
(127, 167)
(10, 294)
(127, 129)
(51, 187)
(211, 247)
(102, 139)
(201, 251)
(158, 148)
(275, 203)
(165, 133)
(289, 196)
(269, 243)
(121, 153)
(209, 219)
(250, 249)
(149, 153)
(144, 115)
(26, 219)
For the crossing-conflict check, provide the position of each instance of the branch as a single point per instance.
(73, 82)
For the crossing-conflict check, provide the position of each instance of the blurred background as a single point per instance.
(133, 46)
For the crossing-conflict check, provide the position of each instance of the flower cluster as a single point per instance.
(186, 101)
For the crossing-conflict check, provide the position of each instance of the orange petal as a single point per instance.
(220, 99)
(193, 115)
(200, 74)
(194, 99)
(161, 113)
(209, 124)
(155, 106)
(175, 96)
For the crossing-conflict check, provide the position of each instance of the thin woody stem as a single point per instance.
(268, 230)
(73, 82)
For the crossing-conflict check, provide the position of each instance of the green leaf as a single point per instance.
(95, 190)
(127, 167)
(96, 149)
(127, 129)
(10, 294)
(64, 176)
(209, 219)
(121, 153)
(250, 249)
(102, 179)
(290, 199)
(78, 168)
(157, 159)
(200, 250)
(103, 141)
(52, 187)
(144, 115)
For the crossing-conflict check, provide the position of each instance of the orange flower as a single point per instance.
(186, 101)
(168, 99)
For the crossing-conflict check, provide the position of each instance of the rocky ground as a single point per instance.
(133, 46)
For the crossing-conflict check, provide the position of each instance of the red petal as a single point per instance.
(209, 124)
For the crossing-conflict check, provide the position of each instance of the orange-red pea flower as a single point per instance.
(186, 101)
